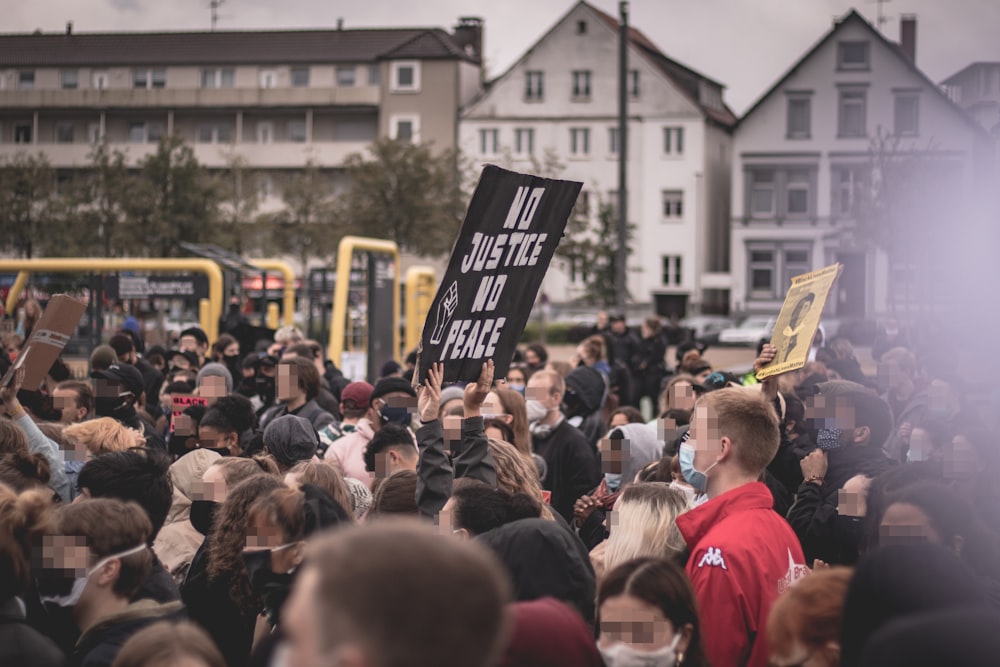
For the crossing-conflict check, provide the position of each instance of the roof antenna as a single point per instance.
(214, 5)
(882, 18)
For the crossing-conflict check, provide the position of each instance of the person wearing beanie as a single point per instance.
(389, 401)
(214, 381)
(449, 394)
(548, 633)
(354, 403)
(290, 439)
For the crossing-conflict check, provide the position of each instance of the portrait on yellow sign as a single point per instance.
(798, 320)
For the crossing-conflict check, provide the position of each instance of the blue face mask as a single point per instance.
(519, 388)
(829, 438)
(613, 480)
(696, 478)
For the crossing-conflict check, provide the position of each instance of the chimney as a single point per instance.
(340, 24)
(908, 36)
(69, 27)
(469, 35)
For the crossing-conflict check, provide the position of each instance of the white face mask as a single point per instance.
(536, 410)
(71, 598)
(623, 655)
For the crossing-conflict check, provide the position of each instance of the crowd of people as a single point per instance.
(212, 506)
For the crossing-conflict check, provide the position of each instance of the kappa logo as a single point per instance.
(713, 558)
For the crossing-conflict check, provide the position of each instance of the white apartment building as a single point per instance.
(815, 150)
(274, 99)
(976, 88)
(561, 98)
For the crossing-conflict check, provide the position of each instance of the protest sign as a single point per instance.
(179, 422)
(48, 338)
(798, 320)
(510, 233)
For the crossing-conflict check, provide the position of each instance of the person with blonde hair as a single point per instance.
(516, 474)
(644, 525)
(103, 435)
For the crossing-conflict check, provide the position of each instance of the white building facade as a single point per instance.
(560, 100)
(812, 164)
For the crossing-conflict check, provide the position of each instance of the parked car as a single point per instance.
(706, 328)
(750, 332)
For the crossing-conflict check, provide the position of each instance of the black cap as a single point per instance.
(198, 334)
(124, 375)
(187, 354)
(389, 385)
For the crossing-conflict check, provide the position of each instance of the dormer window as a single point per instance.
(853, 56)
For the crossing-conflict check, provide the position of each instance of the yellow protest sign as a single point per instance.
(799, 318)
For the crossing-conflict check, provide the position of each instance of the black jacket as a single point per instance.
(824, 533)
(98, 646)
(21, 644)
(436, 471)
(573, 469)
(311, 411)
(211, 607)
(158, 586)
(544, 559)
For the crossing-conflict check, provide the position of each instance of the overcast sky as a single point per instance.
(745, 44)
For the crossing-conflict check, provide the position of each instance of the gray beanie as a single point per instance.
(451, 393)
(218, 370)
(290, 439)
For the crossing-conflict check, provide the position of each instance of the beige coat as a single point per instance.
(178, 540)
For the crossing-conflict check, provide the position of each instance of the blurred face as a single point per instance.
(189, 344)
(961, 461)
(64, 400)
(212, 387)
(531, 358)
(213, 485)
(904, 523)
(288, 384)
(232, 350)
(492, 407)
(705, 437)
(265, 535)
(613, 455)
(682, 396)
(211, 437)
(540, 389)
(629, 620)
(181, 362)
(515, 376)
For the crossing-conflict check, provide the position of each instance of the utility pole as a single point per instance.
(621, 289)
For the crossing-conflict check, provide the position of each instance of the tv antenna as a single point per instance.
(881, 19)
(214, 6)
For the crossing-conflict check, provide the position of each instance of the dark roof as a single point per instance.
(687, 79)
(853, 15)
(223, 47)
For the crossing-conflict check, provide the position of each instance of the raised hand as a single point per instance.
(429, 394)
(475, 392)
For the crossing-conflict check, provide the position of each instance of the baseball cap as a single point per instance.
(356, 395)
(389, 385)
(124, 375)
(190, 356)
(198, 334)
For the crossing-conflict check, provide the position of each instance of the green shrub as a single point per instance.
(555, 334)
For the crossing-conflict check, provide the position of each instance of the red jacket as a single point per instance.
(743, 555)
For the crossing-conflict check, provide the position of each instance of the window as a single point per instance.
(214, 133)
(374, 75)
(64, 133)
(582, 206)
(762, 183)
(761, 266)
(265, 185)
(907, 115)
(69, 79)
(579, 141)
(852, 56)
(405, 128)
(797, 193)
(145, 133)
(673, 204)
(612, 141)
(297, 131)
(672, 271)
(265, 132)
(851, 118)
(300, 77)
(581, 84)
(22, 133)
(489, 140)
(99, 80)
(149, 78)
(268, 78)
(799, 121)
(218, 77)
(524, 141)
(673, 141)
(345, 76)
(26, 79)
(633, 82)
(581, 27)
(849, 186)
(795, 263)
(94, 133)
(406, 76)
(534, 85)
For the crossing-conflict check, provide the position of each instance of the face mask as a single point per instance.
(272, 587)
(62, 590)
(829, 438)
(399, 416)
(203, 514)
(696, 478)
(536, 410)
(613, 480)
(519, 388)
(623, 655)
(265, 388)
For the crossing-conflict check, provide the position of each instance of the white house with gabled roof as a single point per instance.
(561, 98)
(851, 138)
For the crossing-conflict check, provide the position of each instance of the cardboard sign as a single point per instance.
(798, 320)
(178, 404)
(510, 233)
(48, 338)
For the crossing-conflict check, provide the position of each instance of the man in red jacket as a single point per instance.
(743, 554)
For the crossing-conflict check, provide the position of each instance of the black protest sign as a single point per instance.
(510, 233)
